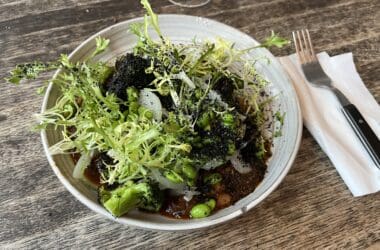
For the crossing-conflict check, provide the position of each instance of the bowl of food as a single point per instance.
(169, 122)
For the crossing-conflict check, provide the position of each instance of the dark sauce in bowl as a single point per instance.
(232, 187)
(91, 172)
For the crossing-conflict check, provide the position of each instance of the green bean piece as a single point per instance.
(200, 211)
(173, 176)
(191, 183)
(228, 120)
(204, 121)
(211, 204)
(213, 179)
(231, 148)
(189, 171)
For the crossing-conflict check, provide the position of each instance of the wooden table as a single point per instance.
(312, 208)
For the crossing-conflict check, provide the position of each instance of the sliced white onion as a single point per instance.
(214, 96)
(238, 164)
(151, 101)
(189, 194)
(83, 162)
(175, 97)
(242, 117)
(177, 188)
(241, 130)
(165, 113)
(182, 76)
(213, 164)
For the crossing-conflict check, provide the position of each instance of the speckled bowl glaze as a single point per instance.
(182, 29)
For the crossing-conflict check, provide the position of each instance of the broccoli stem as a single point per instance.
(122, 200)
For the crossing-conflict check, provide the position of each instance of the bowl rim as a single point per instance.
(197, 224)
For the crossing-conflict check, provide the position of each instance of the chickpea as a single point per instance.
(223, 200)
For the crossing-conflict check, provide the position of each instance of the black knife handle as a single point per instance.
(364, 132)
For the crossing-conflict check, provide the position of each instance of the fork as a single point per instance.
(318, 78)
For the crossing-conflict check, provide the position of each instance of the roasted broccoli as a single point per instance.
(122, 199)
(129, 72)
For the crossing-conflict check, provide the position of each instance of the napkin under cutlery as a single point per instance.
(323, 117)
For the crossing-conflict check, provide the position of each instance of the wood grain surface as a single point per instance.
(312, 208)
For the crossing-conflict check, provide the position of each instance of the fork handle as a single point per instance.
(364, 132)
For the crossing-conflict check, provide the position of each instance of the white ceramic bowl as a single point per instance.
(180, 28)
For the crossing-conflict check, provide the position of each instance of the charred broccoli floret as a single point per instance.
(122, 199)
(152, 197)
(214, 143)
(129, 72)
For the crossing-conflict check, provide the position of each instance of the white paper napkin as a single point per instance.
(324, 119)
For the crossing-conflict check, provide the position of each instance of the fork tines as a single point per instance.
(304, 47)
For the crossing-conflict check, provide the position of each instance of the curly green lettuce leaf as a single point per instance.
(275, 40)
(151, 16)
(29, 71)
(101, 45)
(32, 70)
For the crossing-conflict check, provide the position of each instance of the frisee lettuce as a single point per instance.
(91, 121)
